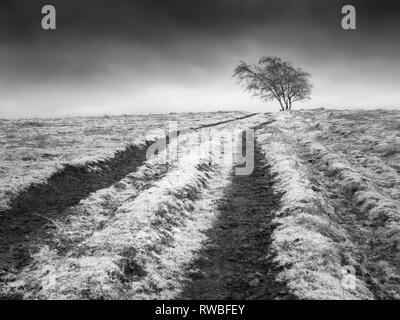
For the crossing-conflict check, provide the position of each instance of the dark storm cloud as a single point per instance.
(161, 24)
(154, 19)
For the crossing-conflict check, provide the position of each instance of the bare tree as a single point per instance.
(272, 78)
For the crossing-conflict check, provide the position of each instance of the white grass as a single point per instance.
(341, 207)
(308, 243)
(33, 149)
(144, 240)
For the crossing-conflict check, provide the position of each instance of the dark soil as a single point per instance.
(23, 224)
(235, 262)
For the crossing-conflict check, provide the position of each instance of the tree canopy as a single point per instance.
(272, 78)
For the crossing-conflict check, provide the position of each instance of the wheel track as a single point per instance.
(235, 261)
(25, 222)
(362, 232)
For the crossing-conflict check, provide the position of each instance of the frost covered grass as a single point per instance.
(124, 258)
(31, 150)
(338, 174)
(130, 240)
(306, 243)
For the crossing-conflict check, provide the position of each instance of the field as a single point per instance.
(86, 214)
(31, 150)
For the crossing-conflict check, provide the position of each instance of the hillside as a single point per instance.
(86, 215)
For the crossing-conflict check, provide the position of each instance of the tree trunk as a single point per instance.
(290, 104)
(286, 104)
(280, 102)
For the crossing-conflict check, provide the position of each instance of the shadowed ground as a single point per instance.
(236, 262)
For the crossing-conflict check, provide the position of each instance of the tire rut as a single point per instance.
(235, 262)
(25, 223)
(360, 231)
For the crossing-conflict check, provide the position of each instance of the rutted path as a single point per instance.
(81, 229)
(235, 261)
(370, 255)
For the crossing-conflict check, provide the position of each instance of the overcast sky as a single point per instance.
(146, 56)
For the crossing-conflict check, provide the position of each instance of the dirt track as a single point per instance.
(237, 246)
(235, 261)
(26, 222)
(136, 228)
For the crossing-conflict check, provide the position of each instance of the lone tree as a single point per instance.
(272, 78)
